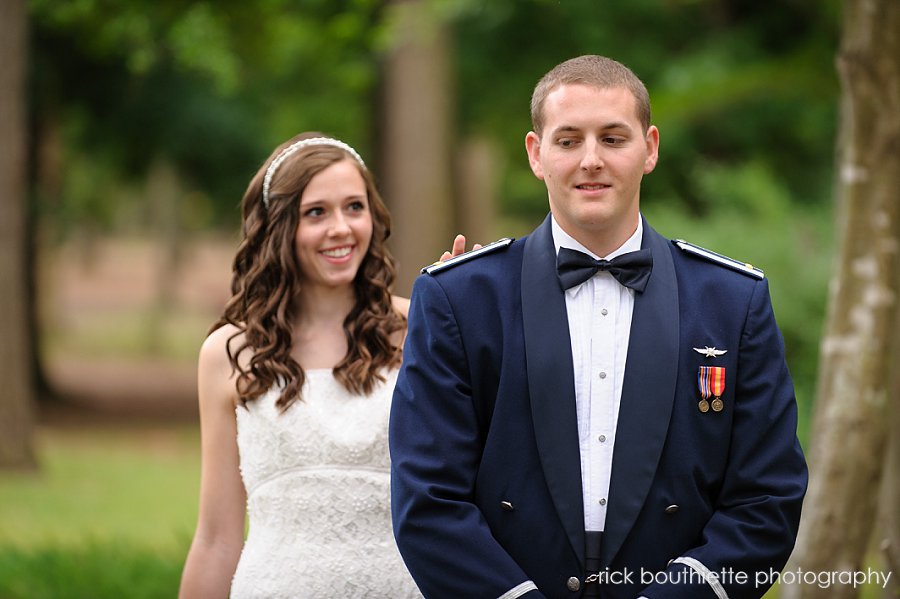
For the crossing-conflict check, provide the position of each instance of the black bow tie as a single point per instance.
(631, 269)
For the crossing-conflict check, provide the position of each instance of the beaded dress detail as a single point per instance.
(318, 496)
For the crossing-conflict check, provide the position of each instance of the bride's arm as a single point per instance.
(219, 537)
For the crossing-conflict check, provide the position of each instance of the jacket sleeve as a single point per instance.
(436, 445)
(751, 533)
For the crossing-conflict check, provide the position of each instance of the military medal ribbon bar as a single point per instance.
(711, 380)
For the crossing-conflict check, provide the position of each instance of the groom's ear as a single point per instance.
(533, 148)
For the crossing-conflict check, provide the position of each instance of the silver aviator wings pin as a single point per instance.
(710, 352)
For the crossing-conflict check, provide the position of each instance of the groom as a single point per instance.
(594, 410)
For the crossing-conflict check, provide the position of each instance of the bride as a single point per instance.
(295, 382)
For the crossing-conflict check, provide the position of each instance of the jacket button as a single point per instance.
(573, 584)
(507, 506)
(672, 509)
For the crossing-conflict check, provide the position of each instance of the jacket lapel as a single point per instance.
(648, 394)
(548, 354)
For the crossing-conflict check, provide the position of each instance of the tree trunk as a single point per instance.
(887, 538)
(46, 163)
(17, 395)
(478, 161)
(164, 195)
(416, 138)
(849, 435)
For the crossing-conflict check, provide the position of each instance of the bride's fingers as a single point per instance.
(459, 245)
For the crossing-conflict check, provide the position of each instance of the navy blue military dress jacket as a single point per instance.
(486, 481)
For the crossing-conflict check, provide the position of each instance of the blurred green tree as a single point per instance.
(212, 86)
(209, 87)
(16, 450)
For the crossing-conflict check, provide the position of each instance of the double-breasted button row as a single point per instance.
(671, 510)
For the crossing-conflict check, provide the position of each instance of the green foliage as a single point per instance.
(213, 87)
(133, 485)
(95, 571)
(122, 121)
(210, 87)
(109, 515)
(200, 42)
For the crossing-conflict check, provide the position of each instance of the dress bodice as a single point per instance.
(318, 495)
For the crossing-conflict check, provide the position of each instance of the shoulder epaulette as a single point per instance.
(465, 257)
(731, 263)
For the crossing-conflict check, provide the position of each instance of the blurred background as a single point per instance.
(145, 120)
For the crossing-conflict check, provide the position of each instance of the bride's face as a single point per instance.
(335, 226)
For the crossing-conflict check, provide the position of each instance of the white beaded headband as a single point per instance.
(312, 141)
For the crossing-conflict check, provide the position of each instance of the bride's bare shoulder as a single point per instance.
(215, 371)
(214, 351)
(401, 304)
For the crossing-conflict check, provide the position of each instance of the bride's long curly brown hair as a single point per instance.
(266, 280)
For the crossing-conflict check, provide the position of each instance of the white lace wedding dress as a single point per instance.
(318, 496)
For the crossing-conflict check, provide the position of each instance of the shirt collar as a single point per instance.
(563, 239)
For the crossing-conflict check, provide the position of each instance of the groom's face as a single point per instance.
(592, 155)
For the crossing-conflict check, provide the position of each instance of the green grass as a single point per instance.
(107, 570)
(134, 484)
(110, 513)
